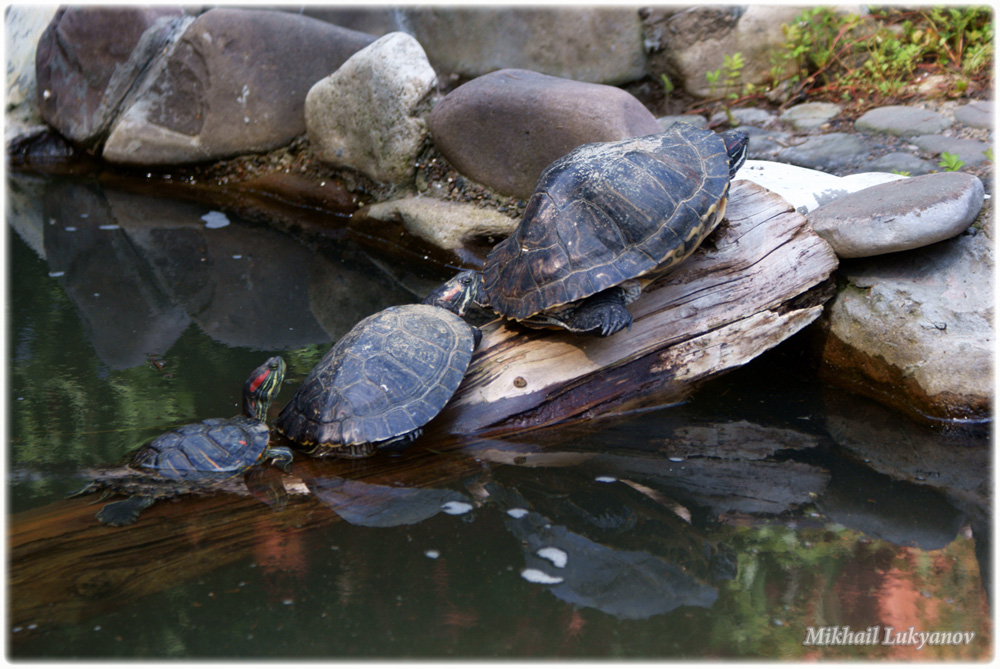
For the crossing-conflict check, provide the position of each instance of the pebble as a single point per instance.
(810, 115)
(900, 216)
(902, 121)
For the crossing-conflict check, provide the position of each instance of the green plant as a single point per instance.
(950, 162)
(847, 57)
(668, 86)
(989, 154)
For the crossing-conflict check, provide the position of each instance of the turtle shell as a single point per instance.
(606, 213)
(216, 448)
(386, 378)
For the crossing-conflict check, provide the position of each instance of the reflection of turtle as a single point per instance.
(377, 387)
(604, 220)
(198, 455)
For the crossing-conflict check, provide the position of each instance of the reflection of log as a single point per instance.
(64, 567)
(756, 282)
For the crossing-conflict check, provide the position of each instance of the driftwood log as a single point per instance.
(759, 279)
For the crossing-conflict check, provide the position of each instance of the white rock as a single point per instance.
(369, 114)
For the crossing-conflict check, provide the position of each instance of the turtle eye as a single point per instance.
(466, 281)
(273, 365)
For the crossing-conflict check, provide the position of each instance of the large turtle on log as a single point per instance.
(380, 383)
(604, 220)
(197, 456)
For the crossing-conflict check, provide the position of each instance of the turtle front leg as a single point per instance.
(124, 512)
(280, 456)
(604, 312)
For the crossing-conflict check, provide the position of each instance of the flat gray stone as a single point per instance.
(969, 151)
(367, 114)
(978, 114)
(744, 116)
(504, 128)
(766, 144)
(902, 121)
(826, 152)
(902, 215)
(899, 161)
(810, 115)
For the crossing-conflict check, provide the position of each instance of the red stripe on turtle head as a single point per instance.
(255, 384)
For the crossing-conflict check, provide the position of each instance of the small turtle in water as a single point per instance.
(196, 456)
(381, 383)
(604, 220)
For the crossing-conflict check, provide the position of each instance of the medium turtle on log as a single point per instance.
(760, 278)
(604, 221)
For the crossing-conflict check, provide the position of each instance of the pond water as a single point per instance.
(765, 518)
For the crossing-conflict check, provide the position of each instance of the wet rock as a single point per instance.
(591, 44)
(504, 128)
(978, 114)
(898, 161)
(24, 25)
(810, 115)
(913, 330)
(827, 152)
(369, 114)
(906, 214)
(969, 151)
(88, 60)
(235, 82)
(902, 121)
(447, 225)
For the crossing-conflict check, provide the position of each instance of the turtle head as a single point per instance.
(261, 387)
(458, 293)
(736, 146)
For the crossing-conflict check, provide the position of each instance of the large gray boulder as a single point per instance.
(594, 44)
(504, 128)
(914, 329)
(90, 57)
(369, 114)
(235, 82)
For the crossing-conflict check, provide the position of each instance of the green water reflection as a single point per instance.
(725, 528)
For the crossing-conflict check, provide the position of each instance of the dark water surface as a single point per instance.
(768, 510)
